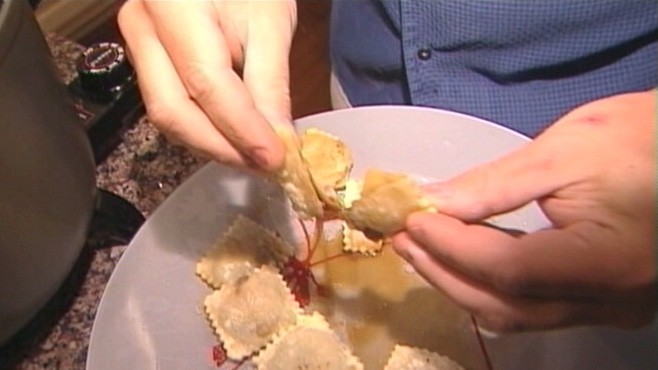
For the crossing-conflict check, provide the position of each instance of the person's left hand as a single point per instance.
(593, 173)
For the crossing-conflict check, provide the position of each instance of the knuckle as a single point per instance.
(479, 182)
(488, 179)
(121, 18)
(123, 12)
(199, 83)
(126, 14)
(511, 280)
(163, 117)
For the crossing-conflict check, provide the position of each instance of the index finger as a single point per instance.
(578, 260)
(199, 51)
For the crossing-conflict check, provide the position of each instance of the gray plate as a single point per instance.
(150, 316)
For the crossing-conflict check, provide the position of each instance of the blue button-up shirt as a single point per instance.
(521, 64)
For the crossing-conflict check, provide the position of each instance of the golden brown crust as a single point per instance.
(315, 177)
(386, 200)
(295, 178)
(329, 162)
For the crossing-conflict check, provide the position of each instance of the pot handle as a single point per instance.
(115, 221)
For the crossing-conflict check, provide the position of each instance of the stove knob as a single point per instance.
(103, 69)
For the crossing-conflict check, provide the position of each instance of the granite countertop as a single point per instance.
(144, 169)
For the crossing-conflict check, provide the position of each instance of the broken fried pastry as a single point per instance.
(295, 177)
(385, 201)
(316, 180)
(329, 162)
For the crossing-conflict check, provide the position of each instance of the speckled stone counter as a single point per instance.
(144, 170)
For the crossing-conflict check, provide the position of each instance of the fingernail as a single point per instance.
(402, 249)
(404, 253)
(454, 202)
(261, 157)
(417, 223)
(438, 194)
(487, 333)
(415, 219)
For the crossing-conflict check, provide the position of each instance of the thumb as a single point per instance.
(266, 68)
(500, 186)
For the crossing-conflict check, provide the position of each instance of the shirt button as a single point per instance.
(424, 53)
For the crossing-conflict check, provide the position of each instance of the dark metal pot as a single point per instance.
(47, 178)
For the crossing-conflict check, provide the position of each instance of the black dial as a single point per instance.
(103, 68)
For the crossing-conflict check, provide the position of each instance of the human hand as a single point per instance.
(214, 74)
(593, 173)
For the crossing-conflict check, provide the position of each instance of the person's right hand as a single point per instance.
(214, 75)
(593, 174)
